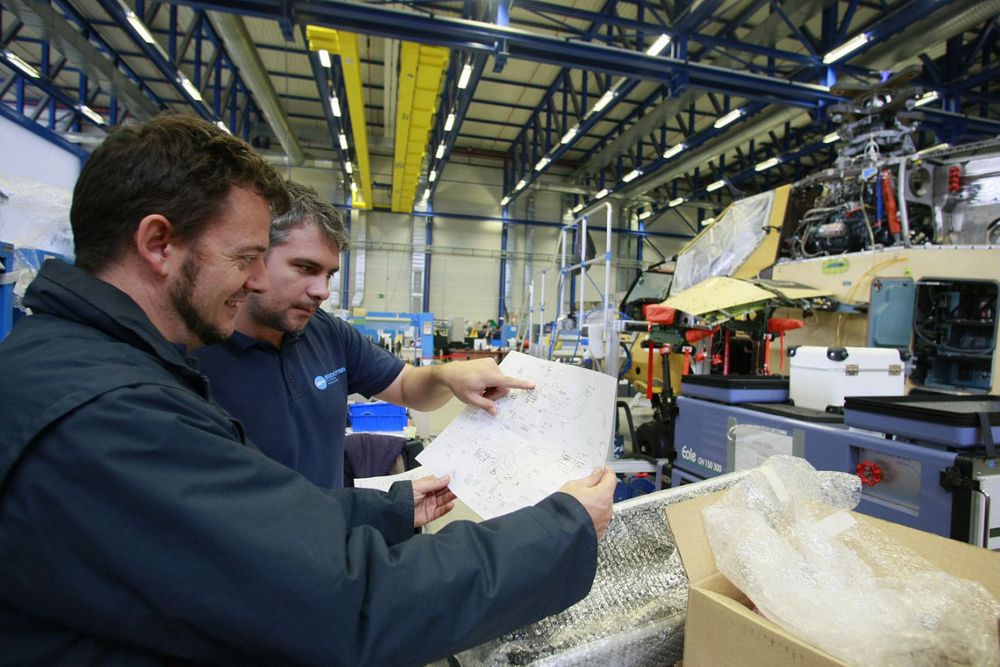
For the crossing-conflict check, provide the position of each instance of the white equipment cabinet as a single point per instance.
(823, 376)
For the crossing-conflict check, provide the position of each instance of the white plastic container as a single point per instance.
(823, 376)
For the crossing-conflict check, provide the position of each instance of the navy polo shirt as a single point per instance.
(293, 401)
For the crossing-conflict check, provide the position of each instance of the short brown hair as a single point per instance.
(176, 165)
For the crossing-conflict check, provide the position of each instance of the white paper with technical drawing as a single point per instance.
(539, 440)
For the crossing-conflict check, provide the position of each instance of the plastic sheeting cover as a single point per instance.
(723, 247)
(634, 614)
(34, 217)
(783, 536)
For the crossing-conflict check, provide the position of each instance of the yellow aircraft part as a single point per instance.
(345, 44)
(767, 252)
(849, 278)
(421, 78)
(717, 293)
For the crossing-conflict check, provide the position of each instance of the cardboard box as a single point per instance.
(721, 626)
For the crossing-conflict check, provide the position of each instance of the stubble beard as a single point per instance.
(181, 298)
(269, 317)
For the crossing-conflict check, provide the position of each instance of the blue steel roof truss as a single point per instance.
(833, 34)
(605, 54)
(231, 101)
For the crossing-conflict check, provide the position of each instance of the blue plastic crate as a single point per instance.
(377, 417)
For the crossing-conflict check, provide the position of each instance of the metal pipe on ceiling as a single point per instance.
(241, 50)
(83, 55)
(480, 37)
(951, 20)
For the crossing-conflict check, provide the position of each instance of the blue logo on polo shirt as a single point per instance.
(324, 381)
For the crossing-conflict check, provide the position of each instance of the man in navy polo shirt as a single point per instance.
(287, 371)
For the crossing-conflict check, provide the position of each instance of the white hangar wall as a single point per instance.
(465, 263)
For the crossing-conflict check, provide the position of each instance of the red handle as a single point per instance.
(869, 472)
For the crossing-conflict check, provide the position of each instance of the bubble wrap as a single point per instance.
(783, 536)
(634, 614)
(35, 215)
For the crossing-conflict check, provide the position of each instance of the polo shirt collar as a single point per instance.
(240, 342)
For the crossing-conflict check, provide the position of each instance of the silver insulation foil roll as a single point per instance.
(634, 613)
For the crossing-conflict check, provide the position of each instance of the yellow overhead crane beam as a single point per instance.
(345, 44)
(421, 77)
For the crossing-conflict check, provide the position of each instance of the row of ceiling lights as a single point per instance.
(732, 116)
(324, 60)
(655, 49)
(449, 125)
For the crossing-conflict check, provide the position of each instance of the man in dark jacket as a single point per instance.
(139, 525)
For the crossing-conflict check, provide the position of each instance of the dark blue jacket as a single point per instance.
(138, 525)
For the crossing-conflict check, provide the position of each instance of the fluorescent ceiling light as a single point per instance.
(543, 163)
(570, 133)
(830, 138)
(189, 87)
(712, 187)
(602, 194)
(707, 221)
(604, 101)
(730, 117)
(463, 80)
(505, 201)
(449, 122)
(520, 184)
(222, 126)
(673, 150)
(657, 47)
(645, 214)
(632, 175)
(21, 65)
(937, 147)
(577, 208)
(766, 164)
(343, 141)
(139, 27)
(324, 58)
(335, 106)
(849, 46)
(676, 202)
(91, 114)
(354, 187)
(427, 194)
(348, 167)
(439, 153)
(432, 176)
(926, 98)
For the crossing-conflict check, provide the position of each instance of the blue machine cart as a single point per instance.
(944, 485)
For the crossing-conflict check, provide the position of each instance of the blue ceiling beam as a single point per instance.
(482, 37)
(52, 89)
(157, 57)
(86, 29)
(697, 14)
(557, 122)
(45, 133)
(710, 41)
